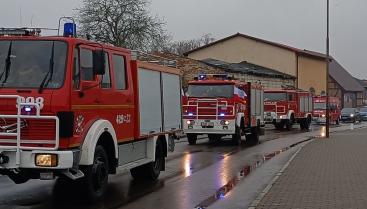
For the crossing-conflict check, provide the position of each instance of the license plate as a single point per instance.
(207, 124)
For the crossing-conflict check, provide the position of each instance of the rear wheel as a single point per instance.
(151, 170)
(252, 139)
(192, 138)
(236, 138)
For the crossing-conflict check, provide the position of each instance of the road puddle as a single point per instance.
(241, 175)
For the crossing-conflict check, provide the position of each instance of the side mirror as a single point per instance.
(99, 62)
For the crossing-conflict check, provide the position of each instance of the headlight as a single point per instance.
(351, 115)
(46, 160)
(323, 116)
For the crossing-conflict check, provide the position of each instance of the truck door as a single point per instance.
(85, 97)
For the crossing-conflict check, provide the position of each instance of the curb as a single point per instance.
(258, 199)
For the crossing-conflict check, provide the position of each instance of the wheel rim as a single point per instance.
(99, 173)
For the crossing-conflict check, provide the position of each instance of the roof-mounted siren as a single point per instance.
(69, 27)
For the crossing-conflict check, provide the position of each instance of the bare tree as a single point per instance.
(125, 23)
(180, 47)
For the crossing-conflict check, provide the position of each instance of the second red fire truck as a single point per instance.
(287, 106)
(319, 112)
(217, 105)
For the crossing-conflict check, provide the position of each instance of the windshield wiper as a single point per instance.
(46, 80)
(7, 66)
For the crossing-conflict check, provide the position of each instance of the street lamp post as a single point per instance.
(327, 134)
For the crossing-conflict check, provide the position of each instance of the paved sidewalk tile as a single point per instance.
(327, 173)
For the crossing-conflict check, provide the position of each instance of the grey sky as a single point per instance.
(298, 23)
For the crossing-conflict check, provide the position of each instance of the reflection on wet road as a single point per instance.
(195, 176)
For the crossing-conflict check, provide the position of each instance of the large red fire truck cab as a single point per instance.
(285, 107)
(218, 106)
(82, 110)
(319, 112)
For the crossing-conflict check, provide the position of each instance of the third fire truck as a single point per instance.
(287, 106)
(217, 105)
(319, 112)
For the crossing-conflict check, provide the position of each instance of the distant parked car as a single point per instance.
(363, 112)
(350, 115)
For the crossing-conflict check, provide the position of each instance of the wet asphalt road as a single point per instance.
(193, 175)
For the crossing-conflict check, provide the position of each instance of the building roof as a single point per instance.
(362, 82)
(247, 68)
(296, 50)
(343, 77)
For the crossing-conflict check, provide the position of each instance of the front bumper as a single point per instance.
(217, 127)
(66, 159)
(272, 118)
(320, 120)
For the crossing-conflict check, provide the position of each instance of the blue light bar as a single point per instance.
(69, 30)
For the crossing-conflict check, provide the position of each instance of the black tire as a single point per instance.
(253, 138)
(337, 122)
(279, 126)
(214, 138)
(288, 125)
(236, 138)
(192, 138)
(150, 171)
(307, 123)
(95, 180)
(302, 124)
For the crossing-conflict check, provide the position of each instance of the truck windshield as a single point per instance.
(275, 96)
(211, 91)
(319, 106)
(25, 64)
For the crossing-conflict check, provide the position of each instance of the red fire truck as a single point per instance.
(81, 110)
(319, 112)
(217, 106)
(287, 106)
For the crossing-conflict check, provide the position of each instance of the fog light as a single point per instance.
(227, 122)
(323, 116)
(46, 160)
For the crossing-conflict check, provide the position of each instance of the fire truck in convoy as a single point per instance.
(287, 106)
(319, 111)
(218, 106)
(81, 110)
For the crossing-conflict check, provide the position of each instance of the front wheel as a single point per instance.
(96, 176)
(236, 138)
(151, 170)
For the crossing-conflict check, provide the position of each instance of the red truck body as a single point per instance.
(219, 106)
(285, 107)
(67, 102)
(319, 112)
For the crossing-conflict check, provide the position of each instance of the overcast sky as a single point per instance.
(298, 23)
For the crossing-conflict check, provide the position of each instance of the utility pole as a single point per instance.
(327, 134)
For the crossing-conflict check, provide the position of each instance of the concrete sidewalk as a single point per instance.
(326, 173)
